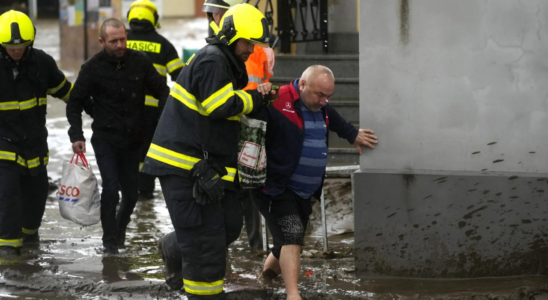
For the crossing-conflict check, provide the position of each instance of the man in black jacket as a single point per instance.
(27, 77)
(116, 79)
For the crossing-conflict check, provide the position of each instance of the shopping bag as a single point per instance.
(78, 193)
(252, 155)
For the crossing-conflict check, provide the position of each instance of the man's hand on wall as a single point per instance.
(365, 138)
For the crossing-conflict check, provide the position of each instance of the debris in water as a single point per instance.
(497, 161)
(512, 177)
(492, 143)
(477, 152)
(532, 152)
(483, 170)
(308, 273)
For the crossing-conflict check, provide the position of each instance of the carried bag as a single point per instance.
(78, 193)
(252, 155)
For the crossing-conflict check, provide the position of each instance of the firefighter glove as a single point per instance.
(267, 99)
(209, 187)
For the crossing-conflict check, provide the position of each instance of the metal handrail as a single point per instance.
(322, 204)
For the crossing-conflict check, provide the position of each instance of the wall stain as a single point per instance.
(470, 214)
(409, 179)
(404, 22)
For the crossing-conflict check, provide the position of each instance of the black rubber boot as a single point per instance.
(173, 262)
(9, 251)
(29, 239)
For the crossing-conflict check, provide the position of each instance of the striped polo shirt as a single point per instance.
(307, 177)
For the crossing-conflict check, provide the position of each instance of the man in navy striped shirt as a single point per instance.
(296, 146)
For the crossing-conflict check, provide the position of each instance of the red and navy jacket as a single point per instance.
(285, 136)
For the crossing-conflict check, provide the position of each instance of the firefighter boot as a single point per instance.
(6, 251)
(172, 261)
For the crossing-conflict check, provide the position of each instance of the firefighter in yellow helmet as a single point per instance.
(142, 36)
(258, 72)
(27, 77)
(195, 147)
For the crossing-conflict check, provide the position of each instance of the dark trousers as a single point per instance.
(18, 191)
(252, 220)
(203, 234)
(118, 167)
(151, 115)
(286, 215)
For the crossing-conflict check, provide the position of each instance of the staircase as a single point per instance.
(345, 100)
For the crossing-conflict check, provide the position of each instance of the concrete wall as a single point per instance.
(450, 77)
(456, 91)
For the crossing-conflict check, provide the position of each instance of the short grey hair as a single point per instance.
(313, 71)
(112, 22)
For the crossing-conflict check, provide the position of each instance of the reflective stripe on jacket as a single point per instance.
(25, 87)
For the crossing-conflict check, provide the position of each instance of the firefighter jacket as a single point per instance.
(202, 115)
(25, 87)
(143, 37)
(118, 91)
(257, 67)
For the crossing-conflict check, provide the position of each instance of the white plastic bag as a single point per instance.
(78, 193)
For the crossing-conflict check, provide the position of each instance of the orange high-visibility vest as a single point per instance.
(257, 68)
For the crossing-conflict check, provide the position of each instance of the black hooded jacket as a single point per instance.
(118, 92)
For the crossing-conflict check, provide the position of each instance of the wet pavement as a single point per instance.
(68, 263)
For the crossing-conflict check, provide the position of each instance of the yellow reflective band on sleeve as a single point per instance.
(140, 166)
(66, 97)
(218, 98)
(42, 101)
(57, 88)
(12, 105)
(7, 155)
(30, 231)
(11, 243)
(231, 174)
(203, 288)
(190, 58)
(180, 93)
(161, 69)
(24, 105)
(246, 99)
(255, 79)
(145, 46)
(175, 64)
(33, 163)
(21, 161)
(46, 159)
(171, 157)
(151, 101)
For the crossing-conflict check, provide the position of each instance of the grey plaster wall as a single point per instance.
(455, 224)
(456, 91)
(441, 80)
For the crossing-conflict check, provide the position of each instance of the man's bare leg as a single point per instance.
(290, 264)
(271, 267)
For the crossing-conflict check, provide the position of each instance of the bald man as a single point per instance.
(296, 146)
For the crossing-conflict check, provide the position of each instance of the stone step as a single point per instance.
(345, 88)
(344, 66)
(343, 157)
